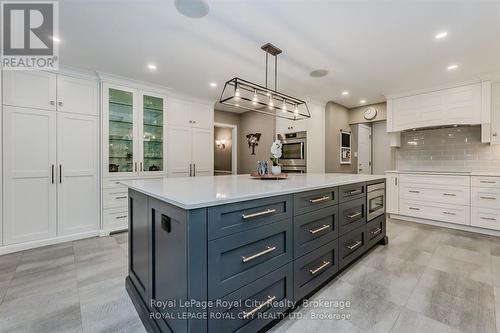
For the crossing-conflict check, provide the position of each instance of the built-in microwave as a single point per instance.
(294, 150)
(376, 200)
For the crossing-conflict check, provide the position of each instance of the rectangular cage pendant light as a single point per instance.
(253, 97)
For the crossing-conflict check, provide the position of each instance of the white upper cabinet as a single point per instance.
(188, 113)
(454, 106)
(202, 151)
(31, 89)
(288, 126)
(77, 95)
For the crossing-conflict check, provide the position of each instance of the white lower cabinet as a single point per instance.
(485, 193)
(392, 193)
(485, 218)
(459, 214)
(115, 218)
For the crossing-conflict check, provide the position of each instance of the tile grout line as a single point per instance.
(77, 288)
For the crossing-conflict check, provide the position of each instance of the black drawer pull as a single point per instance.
(121, 217)
(354, 215)
(265, 212)
(354, 245)
(261, 253)
(413, 208)
(448, 213)
(323, 227)
(249, 314)
(319, 199)
(488, 218)
(488, 181)
(450, 194)
(376, 231)
(124, 197)
(320, 268)
(488, 198)
(358, 191)
(412, 191)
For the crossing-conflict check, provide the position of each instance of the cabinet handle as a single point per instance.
(488, 218)
(140, 165)
(450, 194)
(396, 181)
(60, 173)
(260, 254)
(118, 198)
(495, 134)
(60, 103)
(354, 215)
(319, 199)
(190, 170)
(121, 217)
(412, 191)
(323, 227)
(52, 103)
(52, 172)
(320, 268)
(355, 245)
(194, 169)
(135, 166)
(413, 208)
(249, 314)
(376, 231)
(448, 213)
(488, 181)
(488, 198)
(354, 191)
(265, 212)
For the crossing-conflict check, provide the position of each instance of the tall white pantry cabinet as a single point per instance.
(50, 157)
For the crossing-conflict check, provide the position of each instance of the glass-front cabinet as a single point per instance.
(135, 131)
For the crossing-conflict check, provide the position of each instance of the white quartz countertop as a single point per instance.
(205, 191)
(455, 173)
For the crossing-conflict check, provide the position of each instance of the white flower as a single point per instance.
(276, 149)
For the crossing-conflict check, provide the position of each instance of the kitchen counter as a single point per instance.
(197, 192)
(248, 249)
(454, 173)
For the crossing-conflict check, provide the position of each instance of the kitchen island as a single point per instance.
(231, 253)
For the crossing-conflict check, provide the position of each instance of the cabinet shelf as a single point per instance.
(119, 139)
(121, 122)
(153, 141)
(153, 125)
(122, 104)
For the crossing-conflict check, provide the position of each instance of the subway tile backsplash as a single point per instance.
(447, 149)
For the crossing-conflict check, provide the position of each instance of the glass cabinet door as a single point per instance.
(121, 131)
(152, 138)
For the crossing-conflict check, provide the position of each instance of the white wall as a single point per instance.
(381, 150)
(316, 138)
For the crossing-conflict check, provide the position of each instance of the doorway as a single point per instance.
(364, 149)
(225, 149)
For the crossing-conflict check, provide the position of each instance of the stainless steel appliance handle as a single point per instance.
(355, 245)
(319, 199)
(320, 268)
(264, 212)
(249, 314)
(268, 249)
(323, 227)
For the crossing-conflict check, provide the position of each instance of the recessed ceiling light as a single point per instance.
(452, 67)
(152, 67)
(56, 39)
(192, 8)
(441, 35)
(318, 73)
(213, 84)
(363, 101)
(345, 93)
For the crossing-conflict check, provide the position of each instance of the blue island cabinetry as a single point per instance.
(238, 267)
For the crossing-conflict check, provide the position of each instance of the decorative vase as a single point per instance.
(276, 169)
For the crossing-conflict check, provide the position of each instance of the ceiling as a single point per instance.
(369, 48)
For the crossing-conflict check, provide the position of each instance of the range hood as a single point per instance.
(250, 96)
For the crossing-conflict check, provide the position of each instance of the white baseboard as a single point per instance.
(44, 242)
(446, 225)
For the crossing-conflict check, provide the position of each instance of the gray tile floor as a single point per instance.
(426, 280)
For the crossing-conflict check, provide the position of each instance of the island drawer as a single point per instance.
(242, 216)
(255, 305)
(237, 260)
(309, 201)
(311, 270)
(315, 229)
(352, 214)
(352, 191)
(351, 246)
(375, 231)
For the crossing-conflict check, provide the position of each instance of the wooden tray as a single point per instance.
(269, 176)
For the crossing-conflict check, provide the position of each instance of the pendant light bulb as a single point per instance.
(271, 103)
(255, 99)
(283, 107)
(296, 110)
(237, 94)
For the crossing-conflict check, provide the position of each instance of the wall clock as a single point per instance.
(370, 113)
